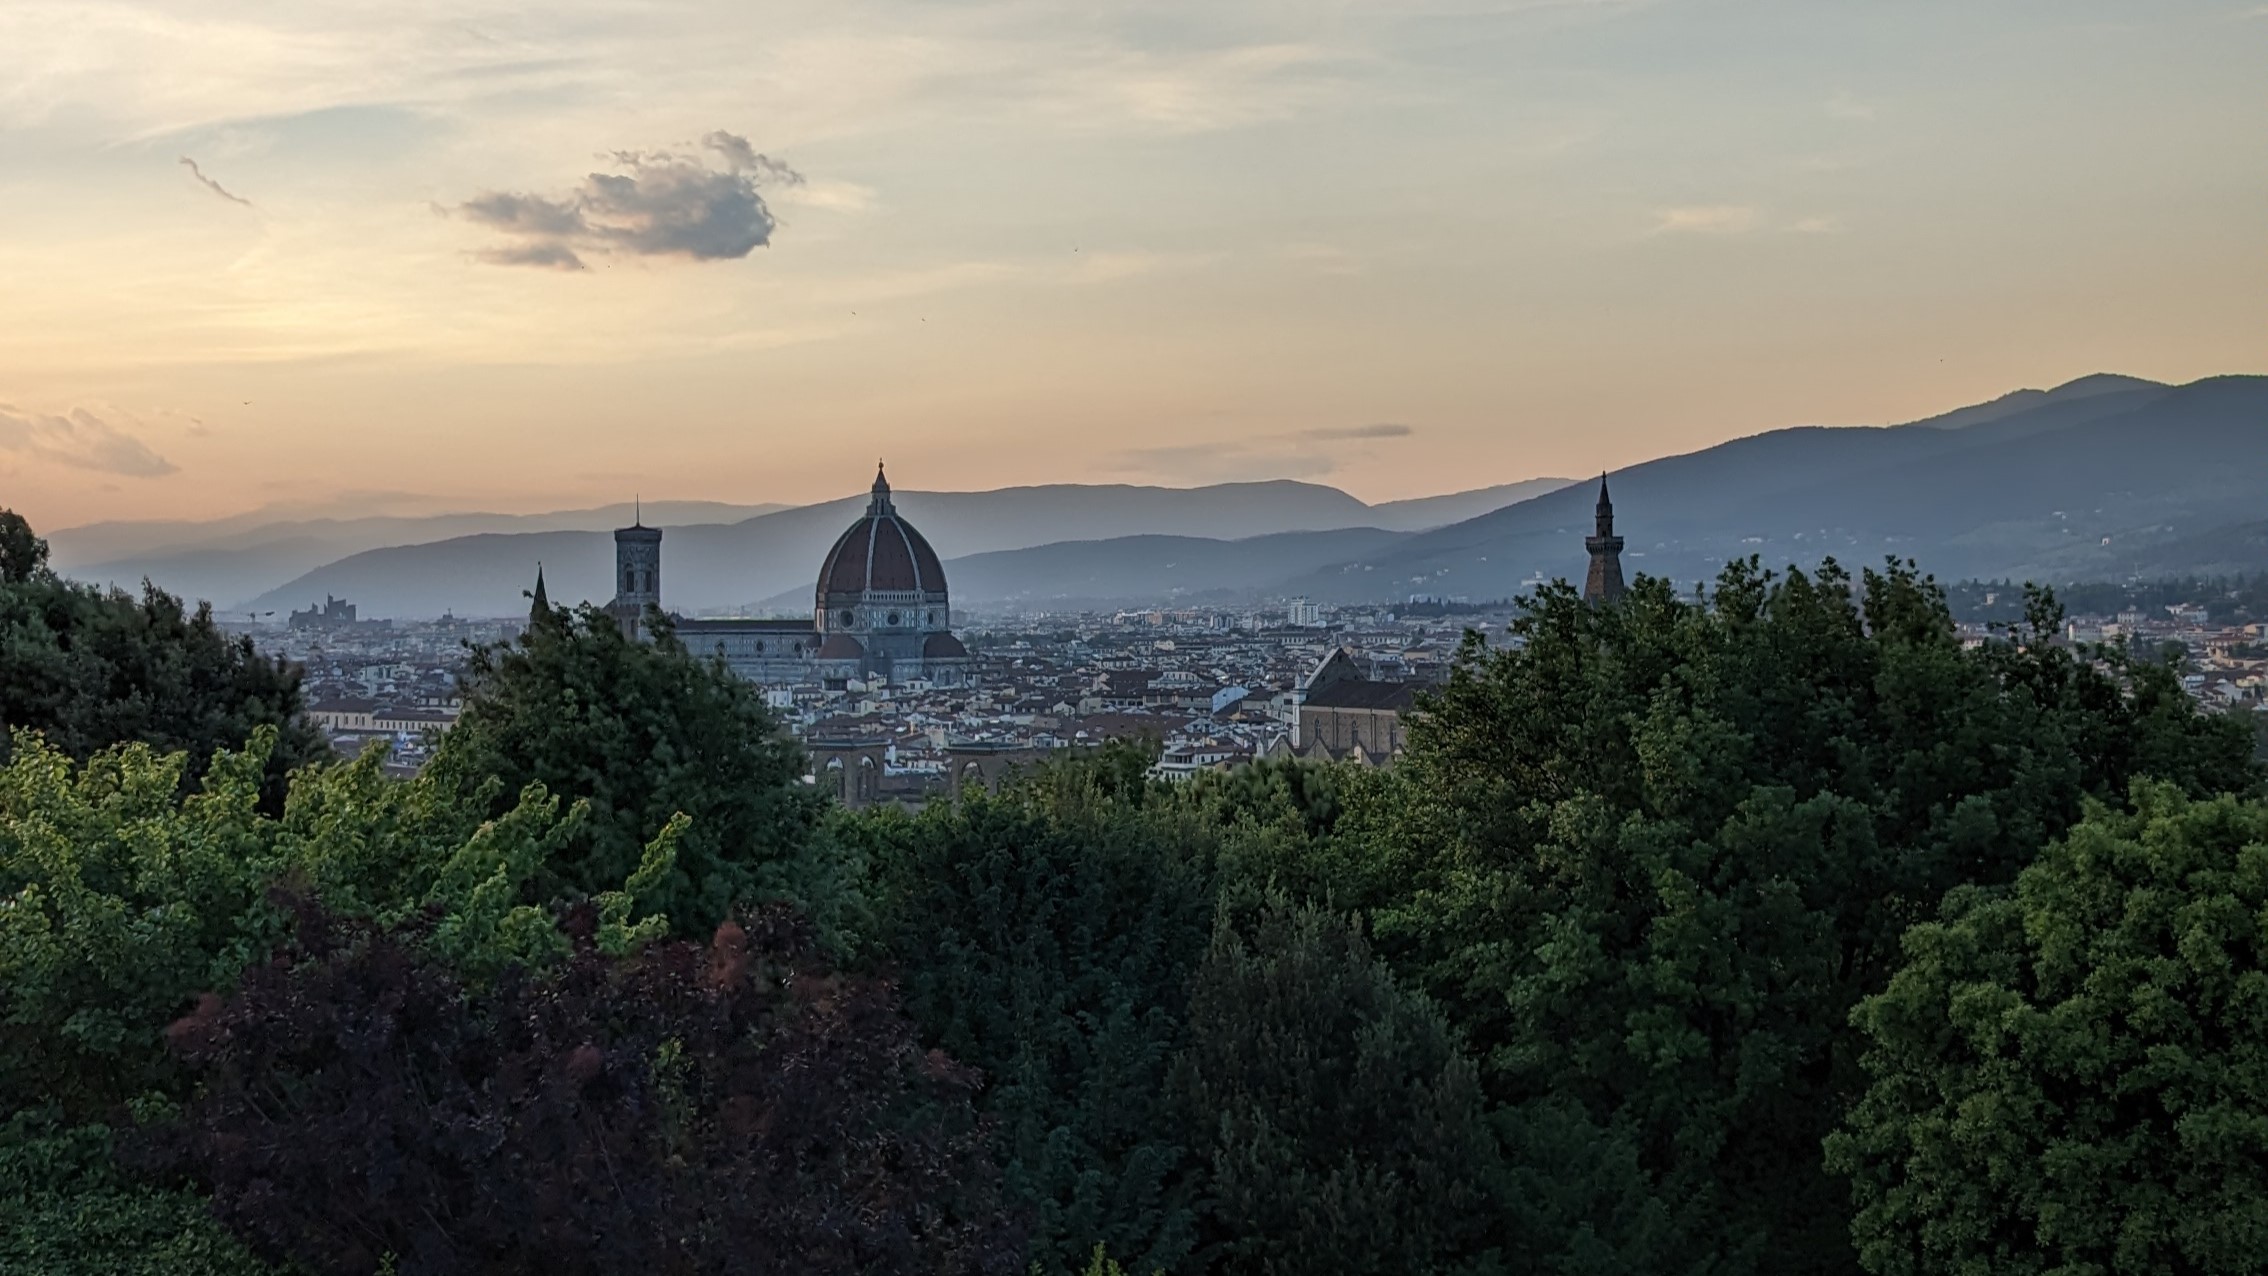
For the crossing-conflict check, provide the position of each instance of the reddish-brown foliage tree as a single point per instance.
(693, 1108)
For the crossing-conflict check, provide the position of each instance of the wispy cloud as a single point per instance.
(211, 185)
(1706, 219)
(1327, 259)
(1381, 430)
(1196, 92)
(1846, 106)
(1817, 226)
(1112, 265)
(79, 439)
(662, 204)
(833, 197)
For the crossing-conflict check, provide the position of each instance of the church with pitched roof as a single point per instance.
(880, 612)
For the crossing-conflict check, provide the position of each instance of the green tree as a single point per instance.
(121, 901)
(2071, 1074)
(23, 554)
(66, 1209)
(1325, 834)
(1345, 1133)
(1649, 856)
(1046, 937)
(90, 668)
(642, 732)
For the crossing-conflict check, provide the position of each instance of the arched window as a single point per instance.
(629, 580)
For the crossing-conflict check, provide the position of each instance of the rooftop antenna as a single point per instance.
(637, 510)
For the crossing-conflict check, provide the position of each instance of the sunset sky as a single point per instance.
(416, 255)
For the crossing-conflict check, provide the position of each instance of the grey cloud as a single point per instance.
(549, 253)
(1382, 430)
(211, 185)
(80, 439)
(678, 208)
(526, 214)
(744, 158)
(663, 204)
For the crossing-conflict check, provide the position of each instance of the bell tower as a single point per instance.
(637, 574)
(1604, 585)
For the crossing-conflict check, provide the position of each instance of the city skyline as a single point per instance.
(421, 257)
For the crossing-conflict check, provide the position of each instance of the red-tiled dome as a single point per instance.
(881, 551)
(942, 647)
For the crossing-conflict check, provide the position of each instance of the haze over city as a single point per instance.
(411, 257)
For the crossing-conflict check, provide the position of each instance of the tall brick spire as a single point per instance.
(1604, 585)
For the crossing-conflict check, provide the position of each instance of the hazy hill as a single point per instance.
(711, 566)
(2017, 401)
(1136, 570)
(1426, 512)
(2126, 477)
(2099, 479)
(236, 558)
(2239, 549)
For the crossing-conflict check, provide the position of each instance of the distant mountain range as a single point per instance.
(1170, 570)
(731, 566)
(230, 559)
(2104, 478)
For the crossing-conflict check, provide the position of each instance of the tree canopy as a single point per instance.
(1047, 938)
(1344, 1130)
(729, 1107)
(640, 732)
(1649, 857)
(2070, 1074)
(89, 668)
(125, 900)
(1773, 931)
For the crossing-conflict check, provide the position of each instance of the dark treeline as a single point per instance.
(1781, 934)
(91, 668)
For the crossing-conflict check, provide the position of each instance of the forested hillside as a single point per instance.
(1778, 932)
